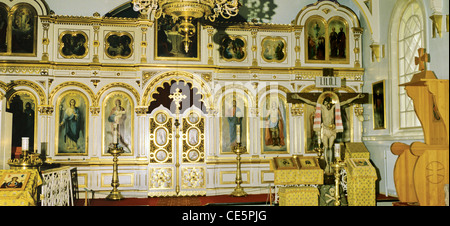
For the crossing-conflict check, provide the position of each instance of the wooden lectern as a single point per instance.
(422, 169)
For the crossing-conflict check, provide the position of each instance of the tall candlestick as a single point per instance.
(25, 143)
(238, 133)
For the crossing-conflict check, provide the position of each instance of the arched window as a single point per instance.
(18, 27)
(410, 39)
(407, 36)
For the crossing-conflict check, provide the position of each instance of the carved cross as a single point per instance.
(177, 97)
(422, 59)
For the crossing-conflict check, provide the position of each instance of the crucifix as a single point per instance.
(177, 97)
(328, 119)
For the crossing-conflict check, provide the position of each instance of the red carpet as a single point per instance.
(177, 201)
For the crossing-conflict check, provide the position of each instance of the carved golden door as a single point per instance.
(177, 154)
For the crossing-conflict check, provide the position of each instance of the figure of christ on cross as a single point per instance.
(328, 121)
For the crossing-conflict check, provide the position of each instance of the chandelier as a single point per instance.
(186, 11)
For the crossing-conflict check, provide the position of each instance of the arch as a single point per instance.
(130, 88)
(63, 85)
(323, 7)
(187, 77)
(18, 83)
(218, 96)
(394, 55)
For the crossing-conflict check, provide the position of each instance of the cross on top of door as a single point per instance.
(177, 97)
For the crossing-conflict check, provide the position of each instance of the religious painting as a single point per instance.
(73, 44)
(312, 134)
(22, 104)
(72, 123)
(315, 39)
(23, 29)
(161, 137)
(169, 42)
(233, 48)
(338, 39)
(379, 105)
(274, 125)
(118, 111)
(119, 45)
(233, 122)
(3, 28)
(273, 49)
(283, 163)
(14, 181)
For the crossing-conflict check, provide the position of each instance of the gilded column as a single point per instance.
(357, 32)
(141, 113)
(297, 32)
(45, 39)
(297, 111)
(210, 30)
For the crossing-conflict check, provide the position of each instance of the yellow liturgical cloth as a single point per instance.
(299, 196)
(298, 173)
(18, 187)
(361, 182)
(356, 150)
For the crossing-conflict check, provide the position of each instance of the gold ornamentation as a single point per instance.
(297, 109)
(94, 111)
(34, 86)
(187, 10)
(45, 110)
(193, 177)
(160, 178)
(141, 110)
(71, 51)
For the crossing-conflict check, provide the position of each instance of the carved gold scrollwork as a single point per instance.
(297, 109)
(45, 109)
(141, 110)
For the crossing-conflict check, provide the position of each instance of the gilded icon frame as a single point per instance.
(11, 29)
(127, 103)
(32, 98)
(228, 46)
(270, 53)
(162, 40)
(241, 102)
(283, 110)
(120, 36)
(82, 101)
(320, 28)
(379, 112)
(72, 35)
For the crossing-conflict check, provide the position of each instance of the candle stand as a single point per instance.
(115, 195)
(238, 190)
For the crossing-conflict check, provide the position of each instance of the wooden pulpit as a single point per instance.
(422, 169)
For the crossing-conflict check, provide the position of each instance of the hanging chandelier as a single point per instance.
(186, 11)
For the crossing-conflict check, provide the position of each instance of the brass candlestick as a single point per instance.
(238, 190)
(115, 195)
(337, 180)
